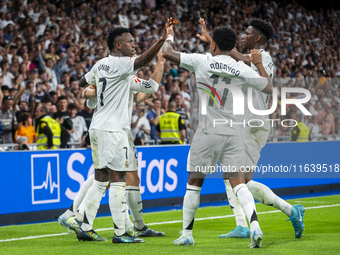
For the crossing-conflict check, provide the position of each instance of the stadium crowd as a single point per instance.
(47, 46)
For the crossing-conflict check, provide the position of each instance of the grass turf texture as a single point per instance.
(321, 235)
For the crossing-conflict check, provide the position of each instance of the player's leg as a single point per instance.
(204, 152)
(66, 219)
(262, 193)
(191, 203)
(86, 213)
(134, 201)
(233, 154)
(88, 208)
(117, 204)
(119, 164)
(241, 230)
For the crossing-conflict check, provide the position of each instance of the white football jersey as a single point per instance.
(136, 85)
(260, 100)
(112, 77)
(219, 80)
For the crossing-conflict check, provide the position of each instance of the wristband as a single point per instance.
(258, 63)
(170, 38)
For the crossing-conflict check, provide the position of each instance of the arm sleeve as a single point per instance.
(295, 133)
(191, 61)
(90, 76)
(181, 124)
(144, 86)
(252, 78)
(45, 129)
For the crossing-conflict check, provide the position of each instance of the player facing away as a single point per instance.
(132, 191)
(109, 131)
(256, 36)
(219, 73)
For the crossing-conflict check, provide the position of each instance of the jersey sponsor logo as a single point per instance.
(45, 178)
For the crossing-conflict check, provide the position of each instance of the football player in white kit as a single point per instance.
(256, 36)
(211, 143)
(109, 131)
(140, 90)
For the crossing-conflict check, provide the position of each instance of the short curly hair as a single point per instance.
(113, 34)
(264, 27)
(225, 38)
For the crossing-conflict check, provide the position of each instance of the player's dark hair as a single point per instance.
(224, 37)
(156, 99)
(264, 27)
(113, 34)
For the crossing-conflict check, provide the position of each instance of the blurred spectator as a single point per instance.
(48, 130)
(26, 129)
(171, 128)
(181, 108)
(153, 117)
(326, 120)
(7, 77)
(140, 122)
(87, 114)
(22, 143)
(62, 108)
(79, 128)
(300, 132)
(8, 120)
(315, 132)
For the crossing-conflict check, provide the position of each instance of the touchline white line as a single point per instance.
(161, 223)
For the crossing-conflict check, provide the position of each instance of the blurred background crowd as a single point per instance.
(47, 46)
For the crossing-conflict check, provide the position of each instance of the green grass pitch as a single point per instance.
(321, 235)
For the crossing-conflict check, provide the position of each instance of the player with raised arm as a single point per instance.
(132, 192)
(109, 131)
(256, 36)
(221, 74)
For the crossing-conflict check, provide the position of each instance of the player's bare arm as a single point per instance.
(82, 82)
(256, 59)
(147, 56)
(156, 76)
(168, 52)
(90, 92)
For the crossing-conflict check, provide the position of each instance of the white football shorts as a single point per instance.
(113, 149)
(207, 149)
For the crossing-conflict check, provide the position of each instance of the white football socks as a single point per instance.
(235, 205)
(190, 205)
(248, 205)
(82, 192)
(88, 208)
(127, 216)
(266, 196)
(134, 201)
(117, 204)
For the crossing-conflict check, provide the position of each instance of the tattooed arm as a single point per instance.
(168, 52)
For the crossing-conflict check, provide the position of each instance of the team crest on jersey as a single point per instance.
(126, 164)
